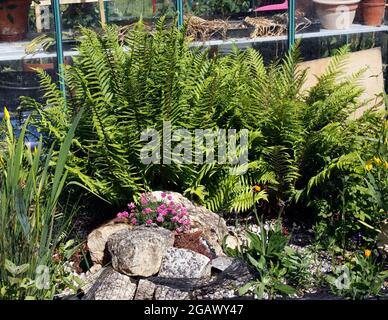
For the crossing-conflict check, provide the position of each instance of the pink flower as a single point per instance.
(143, 199)
(171, 204)
(160, 219)
(122, 215)
(174, 219)
(180, 230)
(149, 221)
(186, 222)
(134, 221)
(131, 205)
(169, 197)
(163, 195)
(147, 210)
(162, 206)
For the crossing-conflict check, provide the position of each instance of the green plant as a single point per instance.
(32, 223)
(47, 281)
(217, 7)
(128, 83)
(356, 213)
(265, 252)
(360, 278)
(298, 264)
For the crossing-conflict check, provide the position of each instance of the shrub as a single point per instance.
(134, 81)
(360, 278)
(32, 223)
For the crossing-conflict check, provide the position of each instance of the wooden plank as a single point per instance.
(38, 18)
(372, 81)
(102, 13)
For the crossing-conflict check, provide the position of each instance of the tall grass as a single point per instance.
(31, 222)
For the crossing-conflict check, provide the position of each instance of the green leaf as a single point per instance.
(244, 289)
(285, 288)
(10, 266)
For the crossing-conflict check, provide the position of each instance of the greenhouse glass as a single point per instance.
(269, 26)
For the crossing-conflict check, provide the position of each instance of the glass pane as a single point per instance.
(261, 24)
(18, 60)
(129, 11)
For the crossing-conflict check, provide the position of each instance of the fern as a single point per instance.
(130, 80)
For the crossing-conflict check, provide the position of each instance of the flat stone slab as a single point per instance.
(184, 263)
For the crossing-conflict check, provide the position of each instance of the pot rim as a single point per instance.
(335, 3)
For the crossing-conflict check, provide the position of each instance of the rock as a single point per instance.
(111, 285)
(382, 239)
(95, 268)
(139, 251)
(145, 290)
(167, 293)
(221, 263)
(90, 280)
(184, 263)
(97, 240)
(213, 226)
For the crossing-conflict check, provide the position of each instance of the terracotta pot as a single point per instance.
(14, 19)
(336, 15)
(373, 12)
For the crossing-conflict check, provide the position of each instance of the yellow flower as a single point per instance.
(6, 114)
(368, 165)
(256, 188)
(367, 253)
(386, 164)
(377, 160)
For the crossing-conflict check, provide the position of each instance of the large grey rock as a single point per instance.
(184, 263)
(145, 290)
(139, 251)
(111, 285)
(167, 293)
(97, 240)
(213, 226)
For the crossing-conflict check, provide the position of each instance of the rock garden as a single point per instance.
(166, 172)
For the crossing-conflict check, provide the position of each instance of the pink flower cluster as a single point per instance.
(165, 213)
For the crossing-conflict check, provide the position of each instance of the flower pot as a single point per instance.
(373, 12)
(336, 15)
(14, 19)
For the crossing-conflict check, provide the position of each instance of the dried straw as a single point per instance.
(265, 27)
(202, 29)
